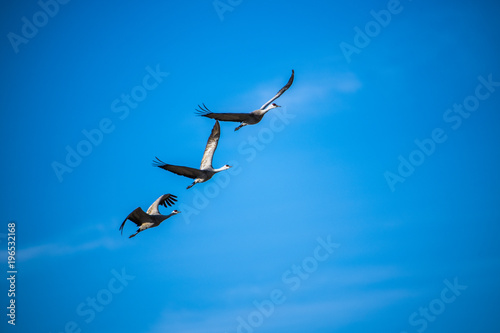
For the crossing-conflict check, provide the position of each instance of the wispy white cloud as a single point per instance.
(71, 244)
(337, 298)
(195, 321)
(307, 88)
(337, 312)
(291, 316)
(61, 249)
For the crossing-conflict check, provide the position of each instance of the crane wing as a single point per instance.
(165, 200)
(178, 170)
(138, 216)
(237, 117)
(213, 140)
(282, 90)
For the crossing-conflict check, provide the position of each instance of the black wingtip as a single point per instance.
(169, 200)
(203, 110)
(158, 162)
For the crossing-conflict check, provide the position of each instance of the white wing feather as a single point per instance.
(282, 90)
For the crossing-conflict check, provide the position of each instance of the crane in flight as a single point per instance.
(206, 171)
(152, 218)
(246, 118)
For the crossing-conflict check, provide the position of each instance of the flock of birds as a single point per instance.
(152, 217)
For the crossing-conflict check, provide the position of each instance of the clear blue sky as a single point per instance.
(368, 202)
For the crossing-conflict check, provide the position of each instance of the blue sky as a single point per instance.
(368, 202)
